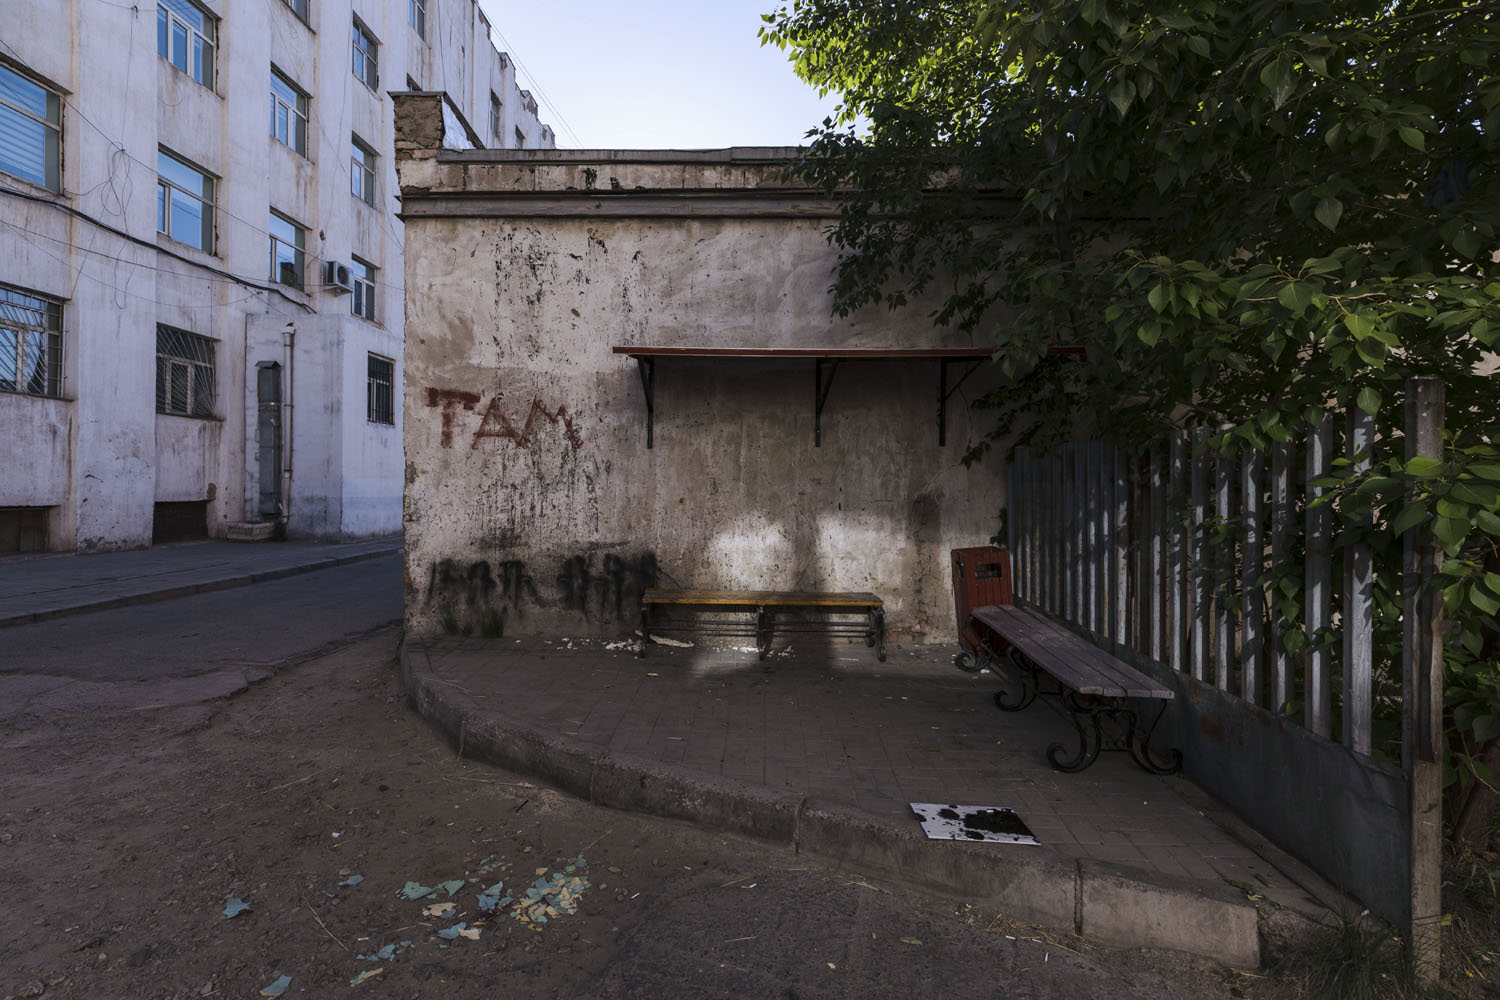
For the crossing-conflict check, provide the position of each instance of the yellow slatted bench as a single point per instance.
(710, 607)
(1091, 684)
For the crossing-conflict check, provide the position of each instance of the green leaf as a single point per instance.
(1277, 77)
(1423, 467)
(1149, 333)
(1413, 515)
(1450, 531)
(1198, 44)
(1413, 137)
(1121, 94)
(1297, 296)
(1369, 401)
(1486, 470)
(1486, 727)
(1360, 325)
(1328, 212)
(1453, 509)
(1488, 522)
(1157, 297)
(1466, 242)
(1484, 602)
(1492, 581)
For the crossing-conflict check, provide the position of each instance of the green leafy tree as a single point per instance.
(1246, 214)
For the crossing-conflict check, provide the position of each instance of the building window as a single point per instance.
(288, 242)
(380, 393)
(416, 15)
(184, 373)
(288, 113)
(365, 48)
(185, 36)
(30, 343)
(497, 113)
(520, 139)
(362, 277)
(362, 171)
(184, 202)
(298, 7)
(30, 129)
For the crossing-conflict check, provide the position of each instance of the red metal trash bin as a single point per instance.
(981, 575)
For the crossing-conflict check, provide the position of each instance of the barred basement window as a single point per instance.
(30, 343)
(184, 373)
(379, 396)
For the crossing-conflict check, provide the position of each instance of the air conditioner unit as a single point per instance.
(336, 277)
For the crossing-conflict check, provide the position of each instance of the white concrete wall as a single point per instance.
(530, 489)
(102, 456)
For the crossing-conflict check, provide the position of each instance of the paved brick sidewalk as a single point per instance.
(837, 726)
(35, 587)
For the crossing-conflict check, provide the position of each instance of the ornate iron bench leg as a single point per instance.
(1029, 686)
(1086, 720)
(762, 633)
(880, 636)
(1141, 753)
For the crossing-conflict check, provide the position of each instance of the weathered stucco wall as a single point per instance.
(530, 492)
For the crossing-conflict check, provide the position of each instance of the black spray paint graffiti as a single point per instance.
(604, 587)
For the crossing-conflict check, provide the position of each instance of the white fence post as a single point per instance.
(1253, 604)
(1359, 615)
(1319, 593)
(1283, 459)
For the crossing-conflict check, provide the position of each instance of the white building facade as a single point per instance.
(201, 319)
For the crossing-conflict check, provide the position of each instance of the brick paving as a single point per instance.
(835, 725)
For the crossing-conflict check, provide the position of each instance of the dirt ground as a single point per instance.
(316, 796)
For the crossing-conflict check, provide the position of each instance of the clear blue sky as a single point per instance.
(656, 74)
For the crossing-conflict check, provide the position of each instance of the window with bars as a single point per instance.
(520, 139)
(288, 113)
(362, 277)
(366, 69)
(184, 373)
(416, 16)
(362, 171)
(30, 343)
(30, 129)
(185, 35)
(381, 390)
(497, 120)
(288, 243)
(184, 202)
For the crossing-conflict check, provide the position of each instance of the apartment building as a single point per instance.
(201, 302)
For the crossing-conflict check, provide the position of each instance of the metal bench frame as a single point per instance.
(762, 605)
(1090, 685)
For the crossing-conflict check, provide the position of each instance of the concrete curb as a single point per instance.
(1112, 904)
(187, 589)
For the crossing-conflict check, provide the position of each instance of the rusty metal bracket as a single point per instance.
(944, 391)
(820, 395)
(647, 367)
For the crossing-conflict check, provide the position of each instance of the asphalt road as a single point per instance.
(260, 625)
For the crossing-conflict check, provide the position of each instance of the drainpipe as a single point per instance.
(288, 341)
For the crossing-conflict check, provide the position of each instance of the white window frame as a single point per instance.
(364, 59)
(520, 138)
(299, 251)
(170, 23)
(362, 161)
(497, 119)
(30, 338)
(291, 117)
(380, 393)
(192, 357)
(164, 190)
(51, 122)
(416, 16)
(297, 7)
(362, 302)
